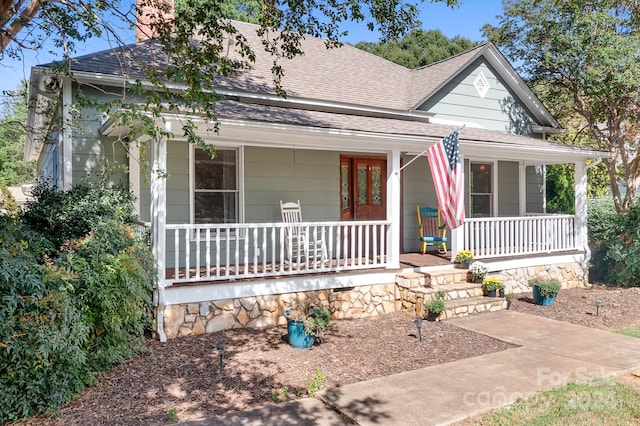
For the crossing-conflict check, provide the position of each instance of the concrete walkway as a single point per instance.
(551, 354)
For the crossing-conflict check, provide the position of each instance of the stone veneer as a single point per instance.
(356, 302)
(516, 280)
(261, 311)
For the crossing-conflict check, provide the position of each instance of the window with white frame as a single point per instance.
(216, 189)
(481, 194)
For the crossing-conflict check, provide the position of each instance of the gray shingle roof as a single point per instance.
(389, 126)
(345, 74)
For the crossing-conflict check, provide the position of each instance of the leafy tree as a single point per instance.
(559, 187)
(13, 170)
(586, 52)
(244, 11)
(419, 48)
(187, 41)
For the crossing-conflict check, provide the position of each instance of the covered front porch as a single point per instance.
(247, 255)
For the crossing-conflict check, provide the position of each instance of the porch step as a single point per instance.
(431, 278)
(445, 277)
(471, 306)
(458, 290)
(461, 299)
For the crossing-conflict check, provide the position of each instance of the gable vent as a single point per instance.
(481, 84)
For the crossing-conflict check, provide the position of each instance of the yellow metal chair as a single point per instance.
(432, 230)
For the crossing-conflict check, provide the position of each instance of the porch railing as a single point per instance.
(251, 250)
(512, 236)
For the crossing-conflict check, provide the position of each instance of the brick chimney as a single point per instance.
(150, 13)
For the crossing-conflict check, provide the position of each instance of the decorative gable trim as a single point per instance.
(481, 84)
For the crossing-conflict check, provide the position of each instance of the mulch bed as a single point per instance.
(260, 368)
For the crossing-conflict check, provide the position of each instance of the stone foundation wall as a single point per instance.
(357, 302)
(262, 311)
(516, 280)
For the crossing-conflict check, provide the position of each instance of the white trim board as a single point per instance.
(221, 291)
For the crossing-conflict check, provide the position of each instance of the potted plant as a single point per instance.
(509, 298)
(477, 272)
(491, 286)
(463, 257)
(545, 290)
(435, 306)
(306, 325)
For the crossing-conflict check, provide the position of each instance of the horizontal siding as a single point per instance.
(418, 189)
(271, 175)
(535, 190)
(178, 182)
(508, 188)
(47, 166)
(498, 110)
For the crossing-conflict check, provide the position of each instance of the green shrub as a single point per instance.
(547, 286)
(42, 334)
(75, 296)
(436, 304)
(317, 323)
(615, 243)
(64, 215)
(113, 287)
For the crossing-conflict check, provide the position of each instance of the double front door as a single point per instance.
(363, 188)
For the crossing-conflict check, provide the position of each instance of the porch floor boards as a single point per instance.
(407, 261)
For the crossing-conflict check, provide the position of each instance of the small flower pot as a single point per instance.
(298, 338)
(432, 316)
(491, 293)
(539, 299)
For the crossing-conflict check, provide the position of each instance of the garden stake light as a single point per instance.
(598, 303)
(221, 348)
(418, 322)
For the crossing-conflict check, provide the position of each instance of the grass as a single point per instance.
(595, 402)
(631, 331)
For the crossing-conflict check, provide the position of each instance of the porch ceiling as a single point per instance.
(261, 125)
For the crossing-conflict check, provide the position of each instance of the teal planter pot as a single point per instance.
(539, 299)
(298, 338)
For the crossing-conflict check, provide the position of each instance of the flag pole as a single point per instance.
(422, 153)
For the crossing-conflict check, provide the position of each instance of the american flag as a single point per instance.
(446, 169)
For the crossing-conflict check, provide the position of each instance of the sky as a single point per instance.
(464, 20)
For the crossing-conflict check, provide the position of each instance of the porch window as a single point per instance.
(481, 193)
(215, 186)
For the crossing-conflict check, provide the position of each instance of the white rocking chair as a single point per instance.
(301, 248)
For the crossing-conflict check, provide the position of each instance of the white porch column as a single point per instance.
(65, 139)
(158, 221)
(522, 188)
(134, 174)
(394, 209)
(581, 206)
(457, 241)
